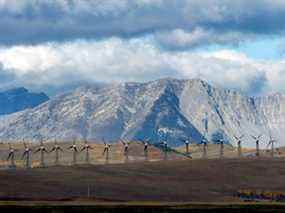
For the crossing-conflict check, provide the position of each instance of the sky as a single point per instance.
(231, 44)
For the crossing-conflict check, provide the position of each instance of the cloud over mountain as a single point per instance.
(134, 60)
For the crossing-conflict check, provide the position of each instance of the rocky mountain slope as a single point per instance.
(166, 109)
(18, 99)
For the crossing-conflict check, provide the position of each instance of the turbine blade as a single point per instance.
(10, 154)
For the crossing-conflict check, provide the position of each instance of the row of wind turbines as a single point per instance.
(26, 156)
(42, 149)
(57, 149)
(221, 142)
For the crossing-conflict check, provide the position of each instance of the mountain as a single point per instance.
(19, 99)
(166, 109)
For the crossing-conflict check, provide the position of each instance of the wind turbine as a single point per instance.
(86, 147)
(187, 146)
(238, 139)
(165, 148)
(27, 155)
(221, 142)
(163, 144)
(106, 150)
(126, 149)
(56, 148)
(271, 142)
(75, 151)
(11, 156)
(42, 151)
(205, 145)
(145, 149)
(257, 140)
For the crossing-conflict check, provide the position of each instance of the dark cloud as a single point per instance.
(32, 21)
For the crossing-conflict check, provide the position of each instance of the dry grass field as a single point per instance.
(212, 180)
(175, 184)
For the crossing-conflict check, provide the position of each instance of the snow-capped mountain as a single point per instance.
(166, 109)
(18, 99)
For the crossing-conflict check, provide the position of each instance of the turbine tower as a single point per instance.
(163, 137)
(205, 145)
(73, 147)
(86, 147)
(257, 140)
(205, 122)
(165, 149)
(186, 142)
(271, 142)
(56, 148)
(126, 149)
(221, 142)
(42, 151)
(204, 139)
(145, 149)
(106, 151)
(27, 155)
(11, 157)
(238, 139)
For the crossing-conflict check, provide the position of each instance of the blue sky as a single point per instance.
(232, 44)
(260, 49)
(266, 49)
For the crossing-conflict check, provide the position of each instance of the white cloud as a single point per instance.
(135, 60)
(229, 55)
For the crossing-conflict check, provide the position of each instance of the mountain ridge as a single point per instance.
(164, 109)
(18, 99)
